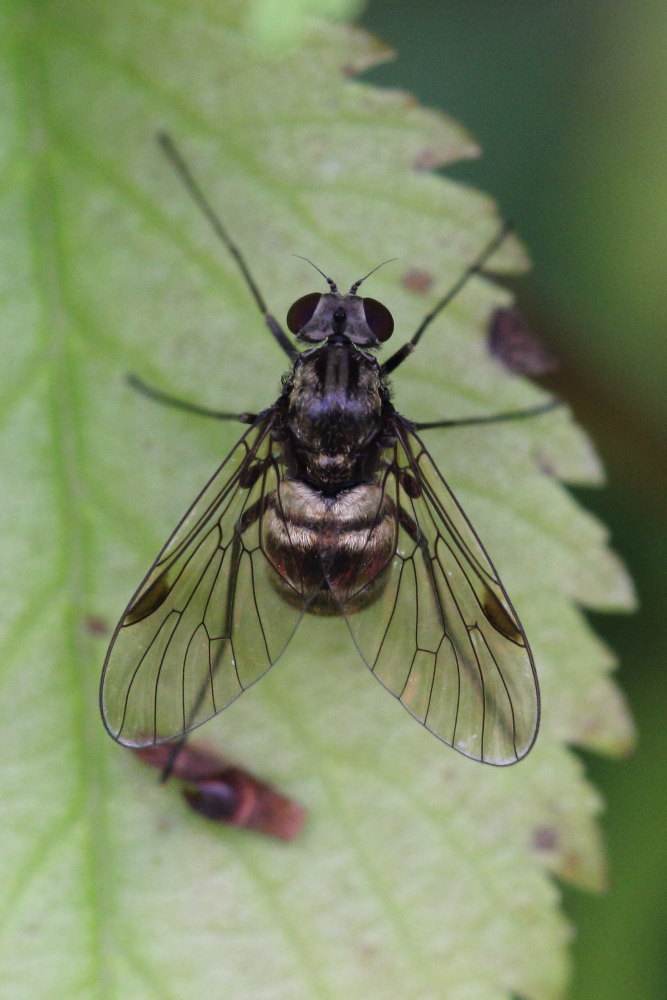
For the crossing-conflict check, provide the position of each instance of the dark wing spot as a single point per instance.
(410, 484)
(498, 617)
(250, 474)
(412, 529)
(148, 602)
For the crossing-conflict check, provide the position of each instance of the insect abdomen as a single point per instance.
(329, 551)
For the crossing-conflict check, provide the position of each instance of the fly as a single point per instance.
(329, 504)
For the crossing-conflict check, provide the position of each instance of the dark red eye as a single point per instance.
(378, 318)
(302, 311)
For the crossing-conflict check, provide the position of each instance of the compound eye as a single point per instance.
(379, 319)
(302, 311)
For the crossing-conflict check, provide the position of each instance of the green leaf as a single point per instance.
(416, 866)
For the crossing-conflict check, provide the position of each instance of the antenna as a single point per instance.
(355, 286)
(332, 284)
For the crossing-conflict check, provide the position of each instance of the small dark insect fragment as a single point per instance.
(225, 793)
(517, 347)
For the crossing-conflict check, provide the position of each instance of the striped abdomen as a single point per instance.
(330, 551)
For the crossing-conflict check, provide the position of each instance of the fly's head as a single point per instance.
(359, 320)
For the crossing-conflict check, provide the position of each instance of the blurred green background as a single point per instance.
(569, 103)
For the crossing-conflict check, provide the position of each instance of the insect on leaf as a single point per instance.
(414, 863)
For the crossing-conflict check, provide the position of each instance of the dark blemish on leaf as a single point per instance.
(418, 281)
(96, 625)
(226, 794)
(544, 464)
(236, 798)
(517, 347)
(368, 953)
(428, 159)
(190, 764)
(545, 839)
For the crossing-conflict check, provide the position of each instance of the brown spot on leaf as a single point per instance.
(544, 464)
(191, 763)
(227, 794)
(545, 839)
(237, 798)
(517, 347)
(96, 625)
(428, 159)
(419, 281)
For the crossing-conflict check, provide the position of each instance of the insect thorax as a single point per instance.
(336, 401)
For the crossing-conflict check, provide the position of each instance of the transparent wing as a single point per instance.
(443, 636)
(207, 622)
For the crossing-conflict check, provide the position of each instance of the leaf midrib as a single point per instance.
(63, 413)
